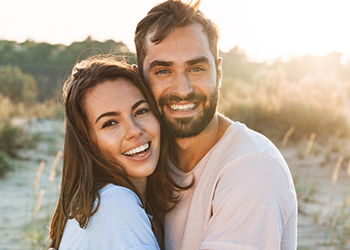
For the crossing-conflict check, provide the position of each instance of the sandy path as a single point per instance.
(17, 199)
(315, 171)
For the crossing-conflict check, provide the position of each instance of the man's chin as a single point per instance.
(185, 127)
(189, 124)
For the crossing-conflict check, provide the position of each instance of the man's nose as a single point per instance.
(182, 85)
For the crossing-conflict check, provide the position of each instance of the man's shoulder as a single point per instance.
(239, 136)
(239, 142)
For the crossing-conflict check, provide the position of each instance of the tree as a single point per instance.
(17, 85)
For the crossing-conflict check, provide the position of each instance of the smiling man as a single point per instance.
(243, 196)
(189, 105)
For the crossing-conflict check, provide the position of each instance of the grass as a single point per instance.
(273, 105)
(338, 226)
(306, 192)
(13, 139)
(313, 109)
(333, 216)
(6, 166)
(48, 109)
(37, 230)
(10, 138)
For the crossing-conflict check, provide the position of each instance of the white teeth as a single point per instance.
(137, 150)
(185, 107)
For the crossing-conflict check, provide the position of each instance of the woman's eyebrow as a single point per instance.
(111, 113)
(115, 113)
(138, 104)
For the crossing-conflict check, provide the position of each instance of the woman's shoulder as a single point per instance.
(117, 197)
(119, 221)
(118, 206)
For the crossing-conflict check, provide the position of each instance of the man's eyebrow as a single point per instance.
(156, 63)
(202, 59)
(111, 113)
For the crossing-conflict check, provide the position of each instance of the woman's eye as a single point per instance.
(109, 123)
(142, 111)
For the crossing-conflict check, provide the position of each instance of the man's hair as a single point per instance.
(164, 18)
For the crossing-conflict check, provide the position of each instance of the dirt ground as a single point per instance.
(323, 221)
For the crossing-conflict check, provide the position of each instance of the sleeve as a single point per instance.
(120, 223)
(253, 205)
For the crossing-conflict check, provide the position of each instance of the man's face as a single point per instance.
(183, 78)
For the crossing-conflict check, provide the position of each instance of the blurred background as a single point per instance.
(286, 74)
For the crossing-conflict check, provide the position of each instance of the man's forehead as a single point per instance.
(187, 42)
(190, 29)
(153, 30)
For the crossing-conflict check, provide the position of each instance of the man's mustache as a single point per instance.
(191, 97)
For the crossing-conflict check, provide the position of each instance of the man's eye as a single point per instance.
(109, 123)
(162, 71)
(142, 111)
(196, 69)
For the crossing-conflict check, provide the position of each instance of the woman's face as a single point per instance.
(123, 126)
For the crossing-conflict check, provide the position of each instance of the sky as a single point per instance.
(263, 29)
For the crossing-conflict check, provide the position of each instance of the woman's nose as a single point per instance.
(133, 130)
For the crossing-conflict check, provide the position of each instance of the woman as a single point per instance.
(114, 164)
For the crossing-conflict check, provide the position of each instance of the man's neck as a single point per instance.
(188, 152)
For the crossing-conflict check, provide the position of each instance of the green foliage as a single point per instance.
(237, 65)
(5, 165)
(13, 138)
(271, 103)
(50, 63)
(37, 230)
(308, 93)
(57, 54)
(17, 85)
(297, 68)
(9, 138)
(338, 227)
(306, 192)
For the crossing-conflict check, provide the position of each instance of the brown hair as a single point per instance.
(85, 171)
(164, 18)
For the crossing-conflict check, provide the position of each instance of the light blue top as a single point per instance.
(120, 223)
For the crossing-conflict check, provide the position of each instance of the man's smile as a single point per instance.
(180, 107)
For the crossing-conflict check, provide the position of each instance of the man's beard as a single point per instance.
(187, 127)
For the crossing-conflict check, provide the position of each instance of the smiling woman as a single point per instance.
(124, 128)
(114, 165)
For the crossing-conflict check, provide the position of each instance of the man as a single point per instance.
(243, 196)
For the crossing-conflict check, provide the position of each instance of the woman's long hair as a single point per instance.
(85, 171)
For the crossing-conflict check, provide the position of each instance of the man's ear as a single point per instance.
(135, 69)
(219, 71)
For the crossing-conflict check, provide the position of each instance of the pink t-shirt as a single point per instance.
(243, 198)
